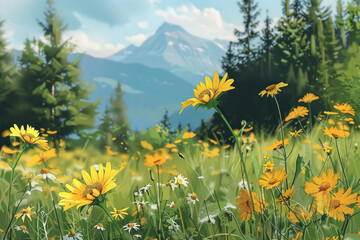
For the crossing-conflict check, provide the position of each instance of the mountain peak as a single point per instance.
(168, 27)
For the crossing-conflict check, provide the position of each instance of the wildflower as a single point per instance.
(99, 226)
(330, 113)
(245, 205)
(210, 219)
(266, 156)
(119, 213)
(327, 150)
(296, 133)
(273, 89)
(277, 145)
(177, 141)
(272, 179)
(97, 184)
(338, 204)
(207, 94)
(213, 153)
(140, 203)
(269, 166)
(192, 198)
(21, 228)
(145, 188)
(173, 225)
(146, 145)
(110, 152)
(286, 196)
(137, 236)
(8, 150)
(335, 133)
(188, 135)
(181, 180)
(130, 226)
(51, 132)
(322, 186)
(171, 205)
(28, 136)
(201, 177)
(26, 212)
(345, 108)
(302, 214)
(169, 145)
(45, 174)
(158, 158)
(308, 98)
(73, 236)
(40, 158)
(213, 141)
(229, 205)
(33, 186)
(243, 184)
(299, 111)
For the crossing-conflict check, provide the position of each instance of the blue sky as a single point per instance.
(103, 27)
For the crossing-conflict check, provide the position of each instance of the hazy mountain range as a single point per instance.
(155, 76)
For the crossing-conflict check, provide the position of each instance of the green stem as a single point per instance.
(56, 213)
(106, 210)
(240, 153)
(158, 202)
(341, 163)
(282, 138)
(11, 180)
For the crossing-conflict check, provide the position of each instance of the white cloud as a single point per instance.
(137, 39)
(154, 1)
(85, 44)
(206, 22)
(143, 24)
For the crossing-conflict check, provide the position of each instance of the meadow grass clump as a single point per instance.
(301, 183)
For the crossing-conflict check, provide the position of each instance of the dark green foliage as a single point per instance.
(309, 50)
(52, 93)
(165, 122)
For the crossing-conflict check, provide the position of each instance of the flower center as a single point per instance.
(272, 181)
(131, 225)
(28, 137)
(23, 228)
(248, 204)
(205, 92)
(335, 203)
(100, 225)
(70, 234)
(90, 189)
(324, 186)
(270, 88)
(193, 196)
(44, 171)
(179, 180)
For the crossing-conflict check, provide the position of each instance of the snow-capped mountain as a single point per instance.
(174, 49)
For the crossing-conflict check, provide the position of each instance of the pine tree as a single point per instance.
(105, 129)
(340, 23)
(165, 122)
(267, 43)
(229, 62)
(8, 75)
(117, 111)
(246, 37)
(297, 6)
(51, 84)
(203, 131)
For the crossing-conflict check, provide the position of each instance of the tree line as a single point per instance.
(308, 48)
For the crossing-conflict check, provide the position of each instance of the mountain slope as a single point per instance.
(174, 49)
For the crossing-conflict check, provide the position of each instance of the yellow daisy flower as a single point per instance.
(43, 156)
(330, 113)
(158, 158)
(308, 98)
(277, 145)
(295, 133)
(299, 111)
(345, 108)
(272, 89)
(96, 184)
(286, 196)
(208, 92)
(269, 166)
(245, 206)
(26, 212)
(119, 213)
(335, 133)
(339, 202)
(270, 180)
(29, 136)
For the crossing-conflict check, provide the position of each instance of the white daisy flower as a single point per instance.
(201, 177)
(137, 236)
(99, 226)
(171, 205)
(229, 205)
(243, 184)
(21, 228)
(130, 226)
(181, 180)
(192, 198)
(45, 174)
(145, 188)
(73, 236)
(210, 218)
